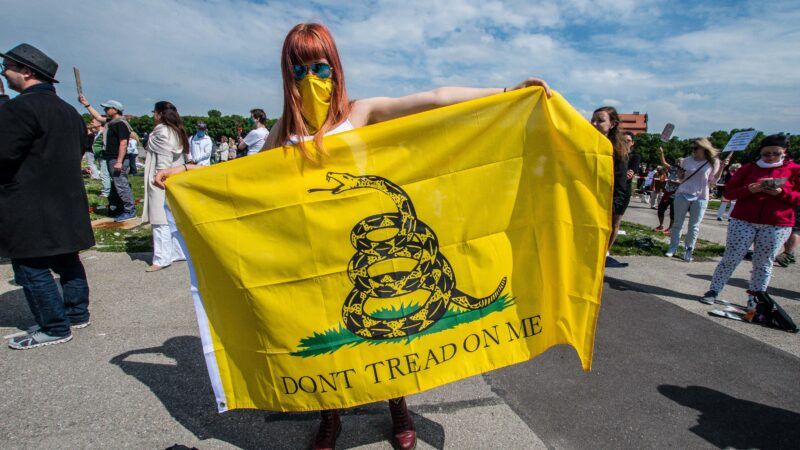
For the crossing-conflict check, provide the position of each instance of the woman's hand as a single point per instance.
(756, 187)
(534, 82)
(161, 175)
(630, 174)
(772, 192)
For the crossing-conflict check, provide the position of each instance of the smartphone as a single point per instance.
(773, 183)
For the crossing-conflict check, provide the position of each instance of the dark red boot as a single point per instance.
(405, 437)
(329, 428)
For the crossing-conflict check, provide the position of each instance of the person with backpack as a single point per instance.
(767, 192)
(701, 169)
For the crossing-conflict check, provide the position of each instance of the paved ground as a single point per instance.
(665, 375)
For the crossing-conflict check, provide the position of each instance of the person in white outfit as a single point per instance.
(222, 149)
(254, 141)
(166, 148)
(201, 146)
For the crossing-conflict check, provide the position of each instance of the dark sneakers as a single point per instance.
(36, 339)
(612, 263)
(709, 298)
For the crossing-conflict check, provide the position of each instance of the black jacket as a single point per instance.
(43, 206)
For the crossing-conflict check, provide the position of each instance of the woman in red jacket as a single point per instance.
(766, 192)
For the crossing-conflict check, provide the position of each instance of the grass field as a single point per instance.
(138, 239)
(641, 240)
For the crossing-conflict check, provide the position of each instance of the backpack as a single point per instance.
(768, 312)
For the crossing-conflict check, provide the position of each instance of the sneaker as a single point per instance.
(124, 217)
(669, 254)
(658, 228)
(719, 219)
(37, 339)
(749, 255)
(34, 328)
(709, 298)
(687, 255)
(667, 232)
(612, 263)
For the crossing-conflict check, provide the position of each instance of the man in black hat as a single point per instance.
(45, 212)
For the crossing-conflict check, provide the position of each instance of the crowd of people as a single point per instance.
(37, 126)
(763, 197)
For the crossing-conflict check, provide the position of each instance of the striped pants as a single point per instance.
(768, 239)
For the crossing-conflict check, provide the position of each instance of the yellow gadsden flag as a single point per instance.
(423, 250)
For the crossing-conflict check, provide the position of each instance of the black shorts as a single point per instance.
(620, 203)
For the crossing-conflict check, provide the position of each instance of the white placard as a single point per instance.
(739, 141)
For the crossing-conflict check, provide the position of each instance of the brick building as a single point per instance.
(635, 123)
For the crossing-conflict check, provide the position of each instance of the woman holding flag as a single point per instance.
(316, 104)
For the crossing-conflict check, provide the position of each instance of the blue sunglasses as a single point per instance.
(321, 70)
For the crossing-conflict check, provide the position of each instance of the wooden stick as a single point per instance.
(78, 80)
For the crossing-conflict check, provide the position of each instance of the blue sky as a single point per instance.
(701, 65)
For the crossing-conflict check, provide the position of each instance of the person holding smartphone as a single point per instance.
(767, 192)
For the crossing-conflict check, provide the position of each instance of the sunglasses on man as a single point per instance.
(321, 70)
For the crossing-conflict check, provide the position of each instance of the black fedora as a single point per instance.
(34, 59)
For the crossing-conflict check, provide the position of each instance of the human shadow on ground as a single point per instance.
(14, 311)
(729, 422)
(185, 391)
(624, 285)
(146, 257)
(745, 284)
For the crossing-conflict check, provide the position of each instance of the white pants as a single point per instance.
(768, 239)
(166, 248)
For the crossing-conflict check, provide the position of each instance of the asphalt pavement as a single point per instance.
(665, 375)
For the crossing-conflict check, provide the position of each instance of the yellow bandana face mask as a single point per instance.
(315, 94)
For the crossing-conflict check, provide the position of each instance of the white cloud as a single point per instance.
(700, 66)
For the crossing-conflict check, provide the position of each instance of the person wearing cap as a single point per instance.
(116, 134)
(201, 146)
(767, 192)
(45, 212)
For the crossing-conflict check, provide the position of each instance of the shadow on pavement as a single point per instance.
(185, 391)
(729, 422)
(14, 311)
(745, 284)
(621, 285)
(146, 257)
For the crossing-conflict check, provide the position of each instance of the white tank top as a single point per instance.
(341, 128)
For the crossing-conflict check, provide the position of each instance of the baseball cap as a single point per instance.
(112, 104)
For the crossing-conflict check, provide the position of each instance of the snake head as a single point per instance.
(345, 182)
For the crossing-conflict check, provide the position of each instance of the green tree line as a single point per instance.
(218, 125)
(647, 144)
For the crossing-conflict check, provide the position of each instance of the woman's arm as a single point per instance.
(663, 160)
(739, 187)
(97, 116)
(162, 175)
(380, 109)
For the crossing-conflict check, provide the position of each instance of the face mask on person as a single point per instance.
(315, 94)
(201, 133)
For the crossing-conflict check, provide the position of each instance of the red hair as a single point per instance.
(308, 42)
